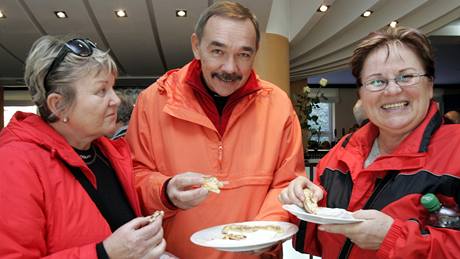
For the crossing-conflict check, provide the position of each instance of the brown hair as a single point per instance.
(411, 38)
(230, 10)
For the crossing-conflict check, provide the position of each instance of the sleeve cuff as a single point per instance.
(165, 198)
(100, 251)
(388, 245)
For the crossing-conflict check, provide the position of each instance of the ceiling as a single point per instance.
(152, 40)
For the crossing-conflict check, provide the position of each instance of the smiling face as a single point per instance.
(227, 51)
(395, 110)
(94, 112)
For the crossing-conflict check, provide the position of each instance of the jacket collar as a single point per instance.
(32, 128)
(181, 101)
(411, 151)
(195, 80)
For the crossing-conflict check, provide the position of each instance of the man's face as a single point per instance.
(226, 51)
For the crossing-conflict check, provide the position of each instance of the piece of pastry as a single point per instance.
(212, 184)
(308, 203)
(155, 215)
(232, 236)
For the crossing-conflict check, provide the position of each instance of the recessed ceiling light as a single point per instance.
(323, 8)
(366, 13)
(121, 13)
(393, 24)
(2, 15)
(181, 13)
(60, 14)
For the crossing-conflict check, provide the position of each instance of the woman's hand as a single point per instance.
(368, 234)
(136, 239)
(293, 194)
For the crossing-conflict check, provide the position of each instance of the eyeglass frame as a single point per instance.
(70, 46)
(387, 81)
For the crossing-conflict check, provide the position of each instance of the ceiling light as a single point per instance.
(366, 13)
(393, 24)
(323, 8)
(60, 14)
(181, 13)
(121, 13)
(2, 15)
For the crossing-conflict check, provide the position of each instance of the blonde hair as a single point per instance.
(62, 79)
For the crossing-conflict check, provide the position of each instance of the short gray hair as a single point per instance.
(61, 80)
(230, 10)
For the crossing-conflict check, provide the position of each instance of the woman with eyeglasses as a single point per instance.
(65, 190)
(381, 171)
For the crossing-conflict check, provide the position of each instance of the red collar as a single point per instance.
(193, 78)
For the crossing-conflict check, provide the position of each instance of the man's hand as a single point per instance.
(293, 194)
(368, 234)
(184, 190)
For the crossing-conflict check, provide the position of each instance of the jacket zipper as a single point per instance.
(220, 150)
(346, 249)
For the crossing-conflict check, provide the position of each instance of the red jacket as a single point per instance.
(45, 212)
(259, 153)
(426, 161)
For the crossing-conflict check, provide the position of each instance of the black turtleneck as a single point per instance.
(109, 189)
(219, 101)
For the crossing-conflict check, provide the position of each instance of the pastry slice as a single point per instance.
(212, 184)
(308, 203)
(155, 215)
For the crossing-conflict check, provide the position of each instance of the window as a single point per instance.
(9, 111)
(324, 113)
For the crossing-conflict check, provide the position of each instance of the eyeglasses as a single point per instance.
(79, 47)
(379, 84)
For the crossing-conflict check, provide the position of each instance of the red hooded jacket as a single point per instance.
(45, 212)
(427, 161)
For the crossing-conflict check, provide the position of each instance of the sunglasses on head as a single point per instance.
(79, 47)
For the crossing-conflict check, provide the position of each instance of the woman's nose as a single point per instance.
(114, 100)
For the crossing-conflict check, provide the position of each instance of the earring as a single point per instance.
(65, 120)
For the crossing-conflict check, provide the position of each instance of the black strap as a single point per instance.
(92, 192)
(380, 184)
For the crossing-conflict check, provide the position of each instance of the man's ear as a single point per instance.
(195, 45)
(55, 105)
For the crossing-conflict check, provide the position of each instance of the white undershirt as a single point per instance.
(373, 154)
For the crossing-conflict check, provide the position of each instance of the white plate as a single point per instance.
(212, 237)
(344, 217)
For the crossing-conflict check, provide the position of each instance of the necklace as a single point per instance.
(88, 156)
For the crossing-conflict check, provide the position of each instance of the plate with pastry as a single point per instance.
(319, 215)
(323, 215)
(244, 236)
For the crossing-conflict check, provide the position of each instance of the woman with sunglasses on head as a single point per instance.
(66, 191)
(381, 171)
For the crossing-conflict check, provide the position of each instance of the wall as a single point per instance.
(17, 97)
(451, 100)
(272, 60)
